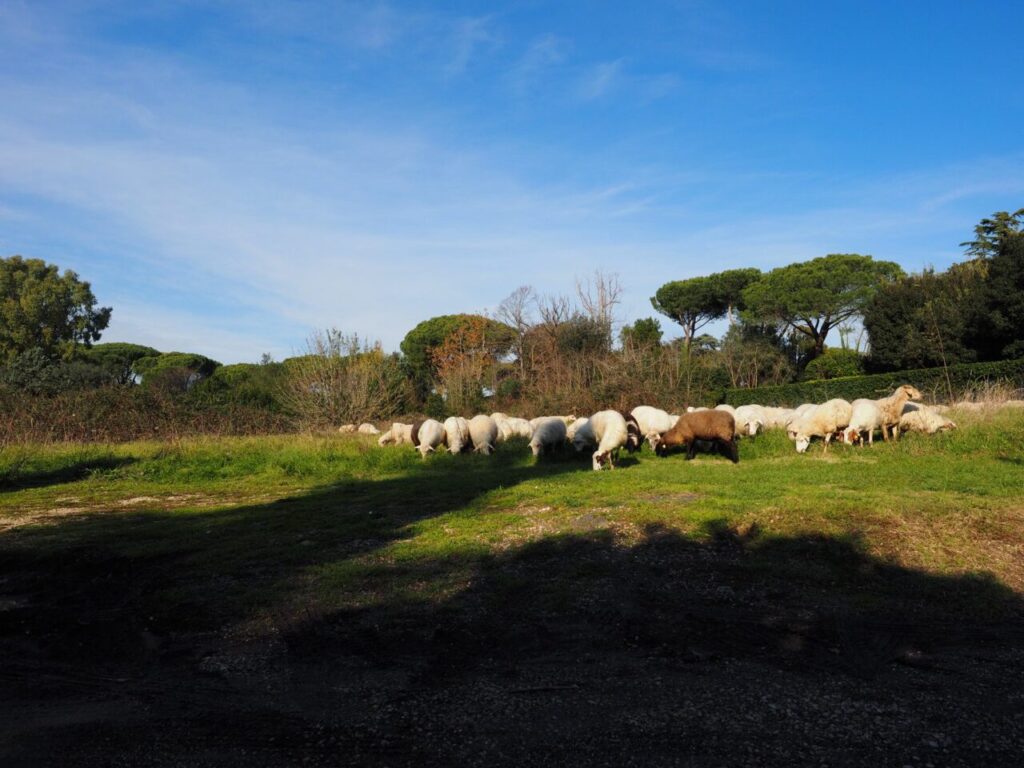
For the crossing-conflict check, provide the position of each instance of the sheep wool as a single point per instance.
(711, 426)
(548, 435)
(483, 432)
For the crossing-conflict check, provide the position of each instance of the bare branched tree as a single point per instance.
(341, 378)
(598, 295)
(514, 311)
(553, 311)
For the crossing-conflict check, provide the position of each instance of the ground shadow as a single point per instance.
(727, 647)
(71, 473)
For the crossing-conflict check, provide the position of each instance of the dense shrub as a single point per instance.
(248, 384)
(37, 373)
(117, 414)
(834, 364)
(935, 383)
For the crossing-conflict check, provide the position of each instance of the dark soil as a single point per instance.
(574, 651)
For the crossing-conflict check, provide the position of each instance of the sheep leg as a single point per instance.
(691, 450)
(828, 439)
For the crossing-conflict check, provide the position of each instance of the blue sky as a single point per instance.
(230, 176)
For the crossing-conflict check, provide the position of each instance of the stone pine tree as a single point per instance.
(813, 297)
(695, 302)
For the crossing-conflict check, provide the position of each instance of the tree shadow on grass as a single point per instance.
(71, 473)
(813, 602)
(612, 639)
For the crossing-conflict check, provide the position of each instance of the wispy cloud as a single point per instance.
(600, 80)
(160, 177)
(543, 53)
(468, 37)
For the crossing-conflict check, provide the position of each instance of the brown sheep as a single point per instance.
(892, 409)
(718, 427)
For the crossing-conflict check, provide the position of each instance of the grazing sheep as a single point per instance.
(574, 427)
(727, 408)
(368, 429)
(892, 409)
(865, 418)
(567, 420)
(519, 427)
(712, 426)
(634, 437)
(401, 433)
(347, 429)
(652, 421)
(427, 435)
(750, 419)
(823, 421)
(777, 418)
(610, 431)
(456, 431)
(548, 435)
(483, 433)
(918, 417)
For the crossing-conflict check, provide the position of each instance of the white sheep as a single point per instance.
(750, 419)
(608, 429)
(456, 430)
(574, 427)
(653, 422)
(892, 409)
(347, 429)
(824, 421)
(776, 418)
(519, 427)
(398, 434)
(483, 432)
(865, 418)
(368, 429)
(426, 436)
(725, 407)
(548, 435)
(918, 417)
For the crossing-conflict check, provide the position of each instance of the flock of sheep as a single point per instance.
(606, 432)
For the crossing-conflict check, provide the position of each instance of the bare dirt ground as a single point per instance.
(579, 652)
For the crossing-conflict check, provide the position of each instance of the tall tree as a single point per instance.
(813, 297)
(692, 303)
(997, 323)
(117, 359)
(730, 286)
(991, 233)
(645, 333)
(920, 321)
(514, 311)
(40, 308)
(695, 302)
(419, 343)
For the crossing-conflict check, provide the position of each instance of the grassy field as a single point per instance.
(323, 585)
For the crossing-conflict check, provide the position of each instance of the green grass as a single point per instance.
(211, 532)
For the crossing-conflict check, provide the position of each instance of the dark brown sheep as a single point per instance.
(718, 427)
(635, 438)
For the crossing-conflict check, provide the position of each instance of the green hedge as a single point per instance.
(931, 381)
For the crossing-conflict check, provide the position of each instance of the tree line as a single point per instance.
(556, 353)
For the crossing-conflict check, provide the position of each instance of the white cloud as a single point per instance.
(544, 53)
(600, 80)
(468, 37)
(254, 228)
